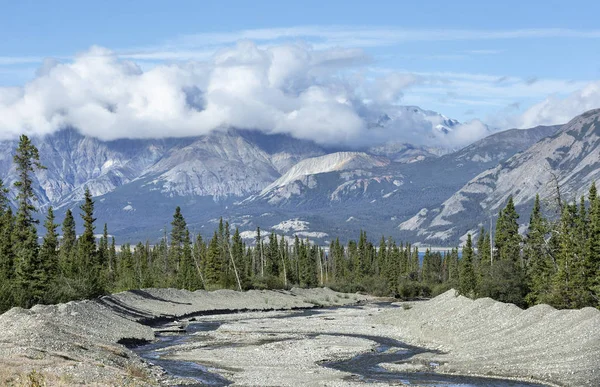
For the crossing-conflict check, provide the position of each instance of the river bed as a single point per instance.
(332, 346)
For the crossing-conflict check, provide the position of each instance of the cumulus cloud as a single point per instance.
(389, 89)
(468, 132)
(280, 89)
(320, 95)
(555, 110)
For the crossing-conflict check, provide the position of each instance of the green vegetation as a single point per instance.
(557, 262)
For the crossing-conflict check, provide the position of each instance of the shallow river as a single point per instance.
(364, 366)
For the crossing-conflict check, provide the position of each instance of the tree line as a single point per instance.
(557, 261)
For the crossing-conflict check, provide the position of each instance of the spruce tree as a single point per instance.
(125, 269)
(49, 250)
(562, 289)
(187, 275)
(539, 266)
(112, 257)
(507, 280)
(273, 261)
(453, 269)
(213, 267)
(27, 160)
(29, 268)
(87, 258)
(7, 256)
(339, 263)
(68, 245)
(426, 270)
(178, 229)
(237, 250)
(592, 254)
(508, 241)
(103, 256)
(260, 256)
(393, 267)
(199, 257)
(467, 282)
(484, 263)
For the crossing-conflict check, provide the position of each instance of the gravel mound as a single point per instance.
(151, 305)
(78, 342)
(487, 337)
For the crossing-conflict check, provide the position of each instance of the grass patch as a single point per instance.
(136, 372)
(36, 379)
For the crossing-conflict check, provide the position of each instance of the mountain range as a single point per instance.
(278, 182)
(558, 167)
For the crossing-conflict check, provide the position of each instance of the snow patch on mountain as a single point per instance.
(311, 234)
(291, 225)
(332, 162)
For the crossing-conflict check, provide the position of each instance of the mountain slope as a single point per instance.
(339, 161)
(375, 196)
(221, 164)
(138, 183)
(570, 159)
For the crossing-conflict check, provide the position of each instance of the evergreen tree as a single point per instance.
(453, 269)
(49, 251)
(508, 241)
(178, 230)
(484, 263)
(539, 267)
(103, 256)
(260, 253)
(87, 258)
(199, 257)
(393, 267)
(7, 257)
(237, 250)
(126, 269)
(467, 283)
(187, 275)
(29, 268)
(592, 254)
(112, 258)
(339, 263)
(213, 266)
(67, 246)
(6, 236)
(272, 259)
(507, 280)
(27, 160)
(426, 269)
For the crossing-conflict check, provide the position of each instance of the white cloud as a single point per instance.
(468, 132)
(555, 110)
(13, 60)
(201, 46)
(288, 88)
(389, 89)
(326, 95)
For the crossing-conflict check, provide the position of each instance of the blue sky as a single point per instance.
(507, 63)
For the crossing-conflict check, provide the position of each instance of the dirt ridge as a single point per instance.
(488, 337)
